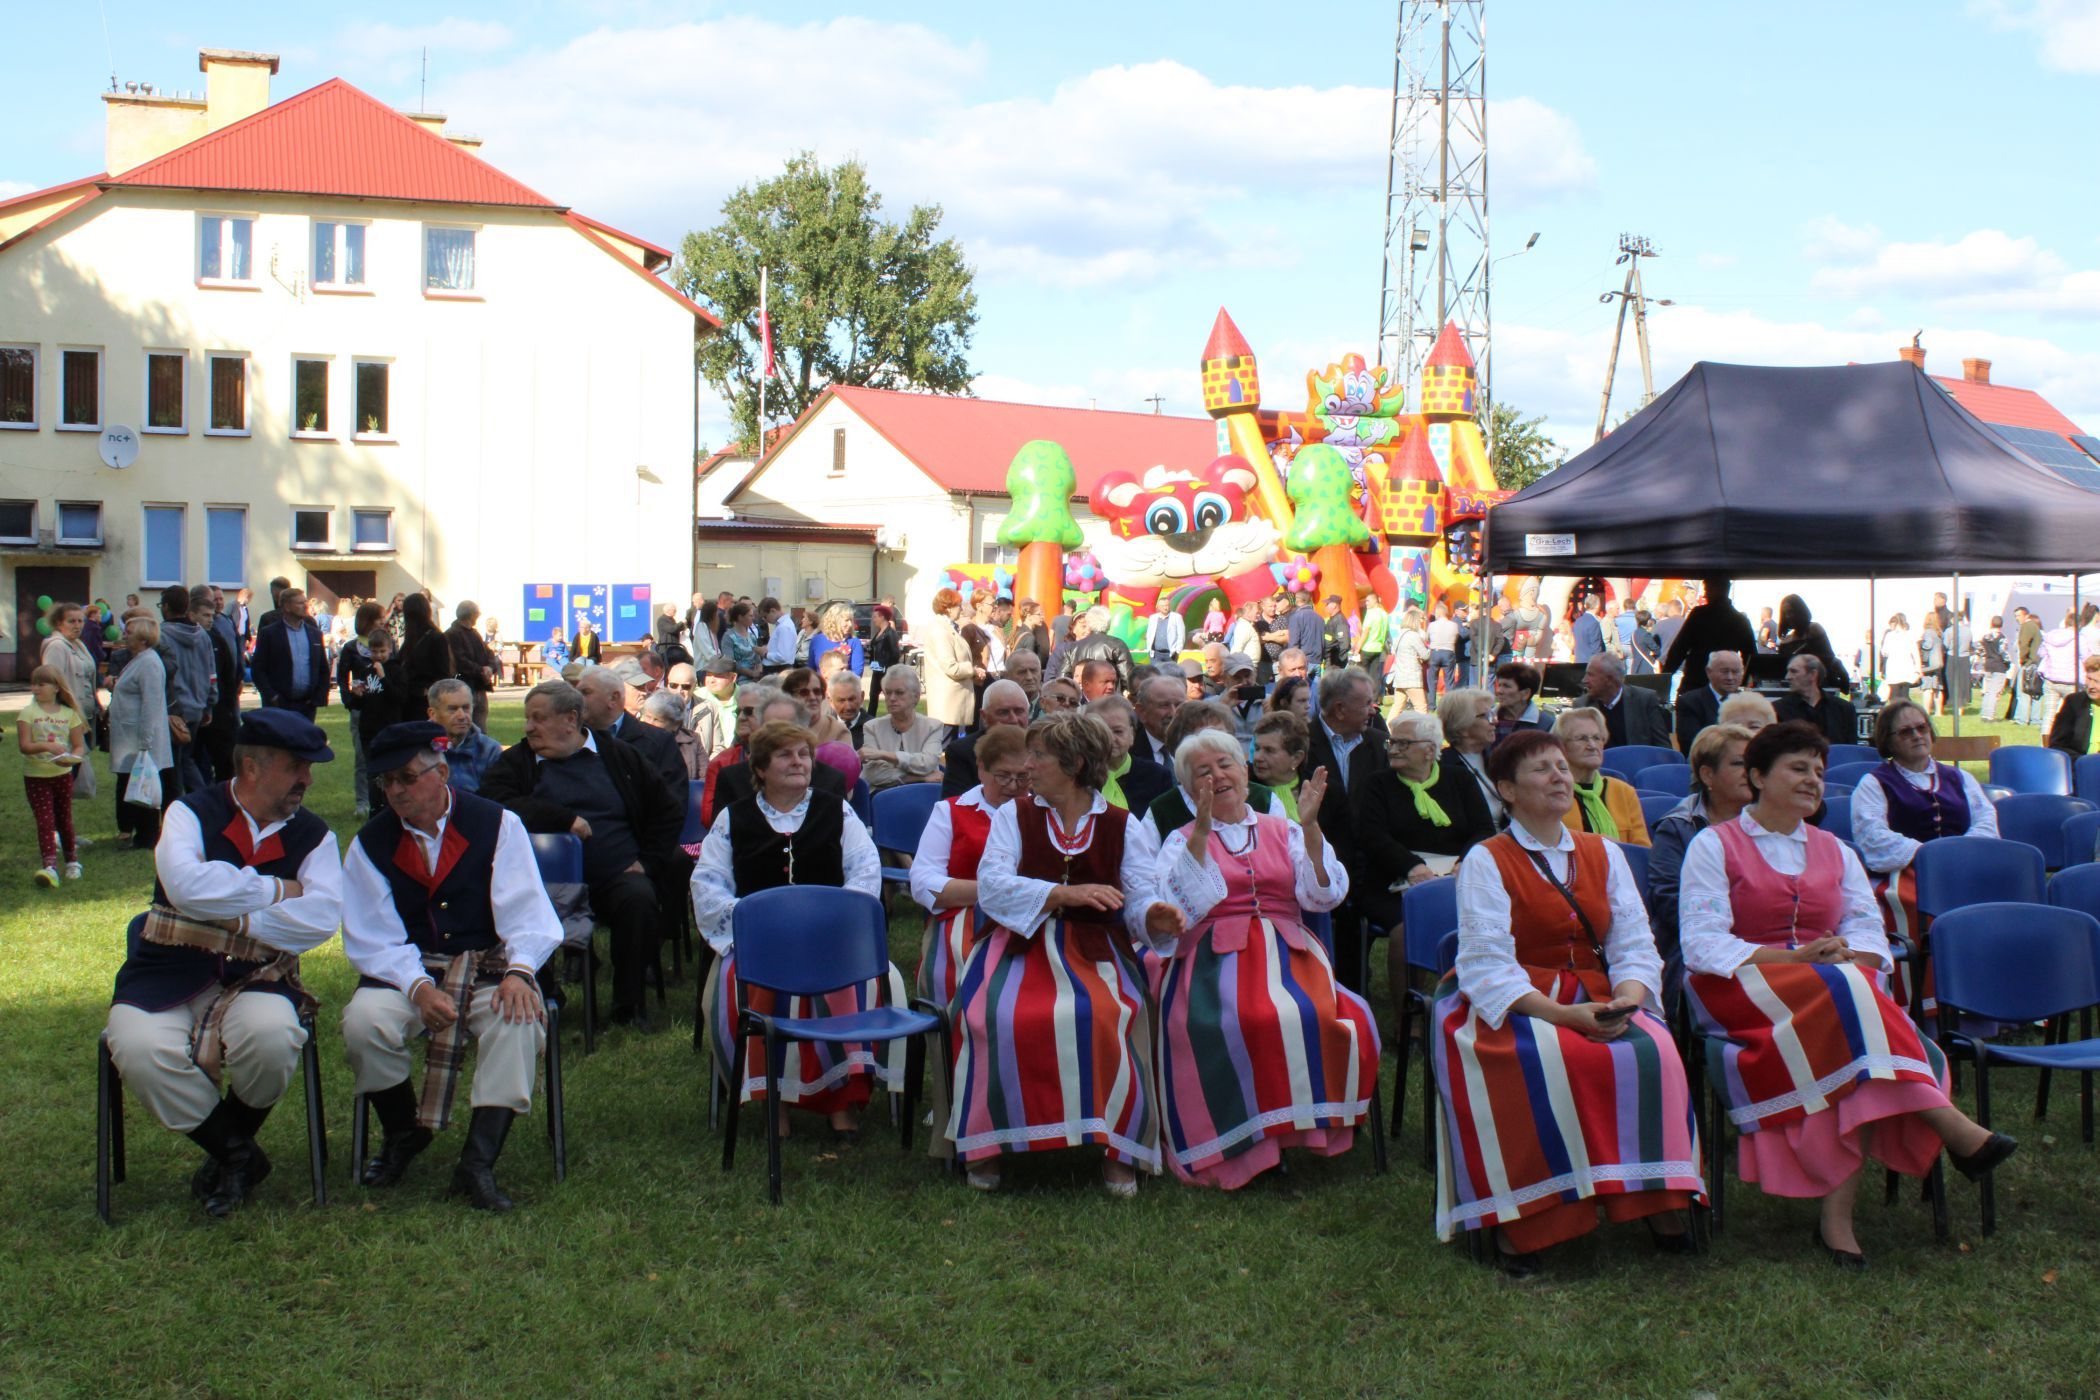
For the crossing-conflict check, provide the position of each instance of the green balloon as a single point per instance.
(43, 627)
(43, 603)
(112, 633)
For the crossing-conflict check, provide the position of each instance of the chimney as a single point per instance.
(236, 84)
(141, 125)
(429, 121)
(1912, 354)
(1976, 371)
(470, 144)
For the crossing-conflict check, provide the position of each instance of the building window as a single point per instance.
(371, 529)
(309, 398)
(166, 371)
(161, 566)
(448, 259)
(80, 522)
(80, 389)
(225, 246)
(372, 419)
(226, 546)
(312, 528)
(339, 254)
(18, 522)
(229, 395)
(17, 386)
(838, 451)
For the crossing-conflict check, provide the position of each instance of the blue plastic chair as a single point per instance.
(1428, 914)
(901, 814)
(2074, 887)
(1956, 871)
(559, 856)
(2038, 819)
(1674, 778)
(1657, 805)
(1850, 753)
(2015, 963)
(803, 941)
(862, 801)
(1637, 863)
(1847, 776)
(1629, 759)
(695, 829)
(1994, 793)
(2085, 777)
(1837, 816)
(2025, 768)
(2081, 836)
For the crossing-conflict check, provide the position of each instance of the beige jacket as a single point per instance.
(950, 674)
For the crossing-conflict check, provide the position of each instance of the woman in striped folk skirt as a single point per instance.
(1896, 809)
(1785, 955)
(1259, 1048)
(1562, 1091)
(786, 833)
(1051, 1016)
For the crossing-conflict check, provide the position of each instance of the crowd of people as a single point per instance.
(1152, 881)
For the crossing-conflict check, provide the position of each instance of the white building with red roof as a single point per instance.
(326, 340)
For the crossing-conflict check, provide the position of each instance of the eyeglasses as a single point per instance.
(687, 686)
(405, 777)
(1008, 780)
(1401, 745)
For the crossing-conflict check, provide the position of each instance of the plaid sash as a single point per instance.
(166, 927)
(459, 978)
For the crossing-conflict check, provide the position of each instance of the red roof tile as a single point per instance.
(1225, 339)
(1450, 349)
(2006, 406)
(334, 140)
(967, 444)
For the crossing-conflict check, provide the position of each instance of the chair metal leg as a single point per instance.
(1936, 1191)
(914, 1067)
(1406, 1000)
(360, 1135)
(1891, 1186)
(590, 995)
(776, 1070)
(316, 1120)
(1428, 1120)
(557, 1118)
(1983, 1117)
(733, 1099)
(1379, 1160)
(1717, 1155)
(2056, 1033)
(2085, 1080)
(107, 1112)
(678, 942)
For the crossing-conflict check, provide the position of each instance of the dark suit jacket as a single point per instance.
(226, 654)
(653, 815)
(1708, 628)
(1645, 719)
(424, 662)
(273, 668)
(658, 747)
(1835, 717)
(1338, 815)
(1150, 749)
(1394, 834)
(1145, 781)
(2072, 729)
(1588, 630)
(733, 784)
(959, 764)
(1696, 709)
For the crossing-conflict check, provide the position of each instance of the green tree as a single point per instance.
(854, 298)
(1521, 453)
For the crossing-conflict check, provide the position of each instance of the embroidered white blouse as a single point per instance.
(714, 877)
(1197, 889)
(929, 864)
(1883, 848)
(1706, 919)
(1014, 901)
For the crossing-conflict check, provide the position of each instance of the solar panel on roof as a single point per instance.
(2089, 443)
(2053, 451)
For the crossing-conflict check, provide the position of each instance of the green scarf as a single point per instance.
(1426, 806)
(1284, 796)
(1113, 788)
(1595, 815)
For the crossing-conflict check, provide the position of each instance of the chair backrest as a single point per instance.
(901, 814)
(2016, 962)
(1955, 871)
(1629, 759)
(2038, 819)
(806, 939)
(1657, 805)
(2081, 837)
(1850, 753)
(2085, 777)
(1428, 911)
(1447, 953)
(2076, 887)
(1664, 777)
(1637, 863)
(1847, 776)
(695, 829)
(1837, 816)
(862, 801)
(2025, 768)
(1995, 793)
(560, 858)
(1320, 924)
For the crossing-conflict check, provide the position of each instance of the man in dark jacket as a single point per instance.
(1631, 715)
(226, 661)
(612, 703)
(1700, 705)
(476, 663)
(1805, 699)
(291, 661)
(1302, 625)
(563, 778)
(1348, 740)
(1004, 703)
(1715, 625)
(1096, 643)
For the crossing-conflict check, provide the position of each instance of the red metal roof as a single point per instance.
(657, 256)
(967, 444)
(334, 140)
(2006, 406)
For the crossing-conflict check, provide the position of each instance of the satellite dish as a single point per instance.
(119, 446)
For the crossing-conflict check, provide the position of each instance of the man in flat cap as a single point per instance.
(246, 879)
(447, 924)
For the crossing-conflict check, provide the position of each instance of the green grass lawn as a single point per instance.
(649, 1272)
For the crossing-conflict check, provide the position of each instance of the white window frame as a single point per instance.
(247, 428)
(357, 430)
(240, 578)
(469, 293)
(327, 546)
(182, 516)
(248, 283)
(181, 357)
(34, 509)
(387, 512)
(36, 385)
(58, 523)
(341, 251)
(101, 390)
(323, 433)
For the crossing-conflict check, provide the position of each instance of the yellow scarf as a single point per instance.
(1113, 788)
(1595, 815)
(1426, 806)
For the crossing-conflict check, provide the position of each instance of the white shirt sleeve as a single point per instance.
(374, 938)
(1705, 915)
(1189, 887)
(525, 917)
(1885, 851)
(1140, 893)
(200, 888)
(714, 887)
(302, 924)
(1983, 817)
(1312, 897)
(862, 862)
(1489, 975)
(929, 864)
(1004, 895)
(1630, 954)
(1860, 925)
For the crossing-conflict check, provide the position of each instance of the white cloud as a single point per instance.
(1984, 270)
(449, 36)
(2069, 29)
(10, 188)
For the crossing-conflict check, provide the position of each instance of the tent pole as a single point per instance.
(1947, 650)
(1873, 642)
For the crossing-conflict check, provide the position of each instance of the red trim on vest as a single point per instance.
(408, 857)
(253, 853)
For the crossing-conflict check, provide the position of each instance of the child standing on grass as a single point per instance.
(53, 739)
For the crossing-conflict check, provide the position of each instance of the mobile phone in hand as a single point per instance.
(1615, 1013)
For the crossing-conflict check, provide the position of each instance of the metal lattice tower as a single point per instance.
(1435, 266)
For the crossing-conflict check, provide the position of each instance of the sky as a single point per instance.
(1820, 181)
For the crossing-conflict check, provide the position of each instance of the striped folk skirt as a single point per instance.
(820, 1078)
(1259, 1050)
(1052, 1038)
(1808, 1054)
(950, 935)
(1896, 896)
(1541, 1126)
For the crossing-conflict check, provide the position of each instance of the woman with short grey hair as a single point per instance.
(138, 729)
(665, 709)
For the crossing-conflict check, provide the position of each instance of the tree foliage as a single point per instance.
(1522, 452)
(854, 298)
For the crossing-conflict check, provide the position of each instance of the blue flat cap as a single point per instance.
(281, 729)
(393, 746)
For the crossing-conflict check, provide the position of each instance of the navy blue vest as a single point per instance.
(155, 977)
(446, 911)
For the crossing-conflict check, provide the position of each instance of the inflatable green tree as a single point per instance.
(1325, 525)
(1041, 481)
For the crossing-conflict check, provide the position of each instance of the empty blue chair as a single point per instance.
(2038, 819)
(1637, 863)
(1846, 776)
(1657, 805)
(1629, 759)
(2010, 964)
(862, 801)
(1956, 871)
(900, 820)
(2025, 768)
(559, 856)
(1850, 753)
(1837, 816)
(2085, 777)
(695, 829)
(804, 941)
(2077, 888)
(1428, 913)
(2081, 835)
(1673, 778)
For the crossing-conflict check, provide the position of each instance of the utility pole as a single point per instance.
(1632, 248)
(1156, 400)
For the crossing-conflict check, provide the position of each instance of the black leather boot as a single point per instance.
(403, 1137)
(211, 1135)
(475, 1176)
(244, 1166)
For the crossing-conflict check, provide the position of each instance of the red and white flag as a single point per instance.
(765, 331)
